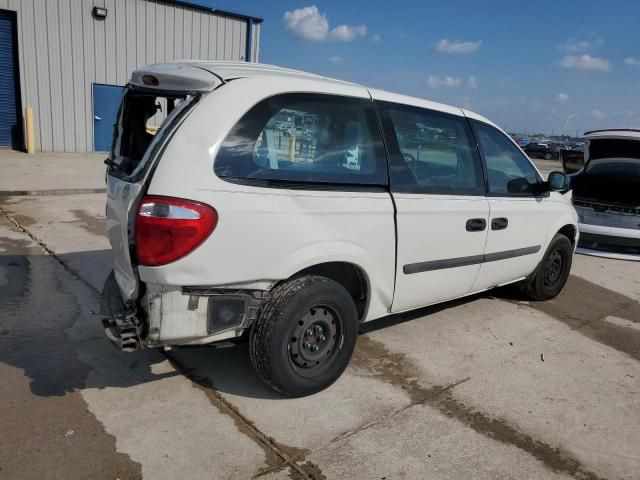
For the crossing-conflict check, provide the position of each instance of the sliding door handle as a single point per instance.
(476, 224)
(499, 223)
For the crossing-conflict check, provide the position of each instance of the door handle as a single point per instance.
(499, 223)
(96, 117)
(476, 224)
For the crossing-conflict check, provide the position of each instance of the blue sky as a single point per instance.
(523, 67)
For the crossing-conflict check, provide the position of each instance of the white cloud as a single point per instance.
(309, 24)
(599, 114)
(471, 82)
(463, 48)
(562, 98)
(336, 60)
(632, 61)
(435, 81)
(586, 62)
(579, 46)
(376, 38)
(346, 33)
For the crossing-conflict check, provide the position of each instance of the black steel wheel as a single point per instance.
(314, 338)
(553, 267)
(305, 335)
(548, 280)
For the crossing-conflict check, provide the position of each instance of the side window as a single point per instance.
(306, 138)
(509, 171)
(431, 152)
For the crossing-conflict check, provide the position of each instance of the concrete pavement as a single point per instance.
(486, 387)
(51, 173)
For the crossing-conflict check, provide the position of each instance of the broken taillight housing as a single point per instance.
(169, 228)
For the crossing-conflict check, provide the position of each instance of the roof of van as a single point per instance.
(194, 75)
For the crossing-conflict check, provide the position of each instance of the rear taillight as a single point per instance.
(169, 228)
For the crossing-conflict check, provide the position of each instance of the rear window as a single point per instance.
(305, 138)
(142, 117)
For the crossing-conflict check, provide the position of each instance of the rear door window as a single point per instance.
(302, 137)
(431, 152)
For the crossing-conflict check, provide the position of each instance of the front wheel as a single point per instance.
(552, 272)
(304, 337)
(547, 156)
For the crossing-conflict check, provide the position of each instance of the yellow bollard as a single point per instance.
(29, 130)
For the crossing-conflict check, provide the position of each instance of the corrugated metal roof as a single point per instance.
(199, 6)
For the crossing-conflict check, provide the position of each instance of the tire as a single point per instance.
(281, 349)
(549, 278)
(547, 156)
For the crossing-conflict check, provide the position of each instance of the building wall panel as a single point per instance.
(63, 50)
(77, 80)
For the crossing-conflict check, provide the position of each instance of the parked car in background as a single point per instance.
(221, 231)
(541, 150)
(605, 182)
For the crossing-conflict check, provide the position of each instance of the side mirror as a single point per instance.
(558, 181)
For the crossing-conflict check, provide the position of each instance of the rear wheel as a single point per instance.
(552, 272)
(547, 156)
(303, 339)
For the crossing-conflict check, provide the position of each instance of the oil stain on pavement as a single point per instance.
(91, 223)
(44, 412)
(377, 361)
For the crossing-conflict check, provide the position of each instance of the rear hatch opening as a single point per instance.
(142, 116)
(612, 173)
(147, 119)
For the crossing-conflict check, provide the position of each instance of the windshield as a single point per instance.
(142, 117)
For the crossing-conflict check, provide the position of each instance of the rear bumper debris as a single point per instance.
(120, 321)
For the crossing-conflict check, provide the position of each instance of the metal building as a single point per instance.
(68, 60)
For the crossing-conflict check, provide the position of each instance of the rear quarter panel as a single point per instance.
(268, 234)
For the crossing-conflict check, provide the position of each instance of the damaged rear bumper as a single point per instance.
(171, 316)
(120, 321)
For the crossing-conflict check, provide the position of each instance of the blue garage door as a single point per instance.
(106, 101)
(10, 119)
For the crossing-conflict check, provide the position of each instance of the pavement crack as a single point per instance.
(432, 394)
(278, 456)
(397, 369)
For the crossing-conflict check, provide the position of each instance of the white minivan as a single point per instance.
(251, 201)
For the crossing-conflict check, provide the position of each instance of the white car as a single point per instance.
(606, 193)
(223, 228)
